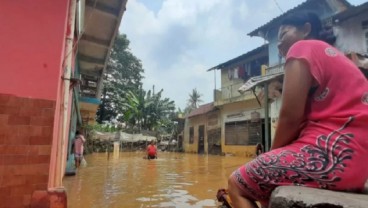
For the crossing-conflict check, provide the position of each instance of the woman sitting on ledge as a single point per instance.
(322, 136)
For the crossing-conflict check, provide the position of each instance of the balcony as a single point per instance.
(277, 69)
(230, 94)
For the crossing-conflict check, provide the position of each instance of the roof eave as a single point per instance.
(243, 56)
(112, 41)
(258, 31)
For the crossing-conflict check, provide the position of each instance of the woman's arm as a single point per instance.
(297, 83)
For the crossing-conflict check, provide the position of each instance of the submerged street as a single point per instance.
(128, 180)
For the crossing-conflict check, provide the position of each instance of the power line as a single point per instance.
(278, 6)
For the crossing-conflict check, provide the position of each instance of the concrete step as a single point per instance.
(302, 197)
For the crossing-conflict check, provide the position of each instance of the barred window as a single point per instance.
(243, 133)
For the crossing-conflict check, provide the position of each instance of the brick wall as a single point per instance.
(26, 130)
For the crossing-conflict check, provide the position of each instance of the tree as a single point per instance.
(194, 100)
(123, 73)
(147, 110)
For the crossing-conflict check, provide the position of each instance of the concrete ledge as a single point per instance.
(53, 198)
(302, 197)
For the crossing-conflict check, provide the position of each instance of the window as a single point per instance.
(243, 133)
(191, 135)
(236, 133)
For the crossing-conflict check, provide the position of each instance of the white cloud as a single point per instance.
(181, 40)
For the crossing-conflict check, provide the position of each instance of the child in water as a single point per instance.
(152, 151)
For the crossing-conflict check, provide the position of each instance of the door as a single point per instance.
(214, 141)
(201, 139)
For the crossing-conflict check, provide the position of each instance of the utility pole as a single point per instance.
(267, 120)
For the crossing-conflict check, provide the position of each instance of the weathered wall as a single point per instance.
(32, 50)
(26, 128)
(244, 107)
(195, 122)
(349, 35)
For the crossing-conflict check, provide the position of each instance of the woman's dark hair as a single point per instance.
(318, 31)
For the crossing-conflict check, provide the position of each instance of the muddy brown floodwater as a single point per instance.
(128, 180)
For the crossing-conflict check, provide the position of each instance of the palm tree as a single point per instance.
(147, 110)
(135, 106)
(194, 99)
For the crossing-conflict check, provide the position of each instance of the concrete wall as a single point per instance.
(195, 122)
(245, 108)
(32, 50)
(350, 36)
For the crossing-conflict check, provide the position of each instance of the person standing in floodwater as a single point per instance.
(321, 137)
(152, 150)
(78, 144)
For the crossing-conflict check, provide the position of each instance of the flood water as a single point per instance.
(128, 180)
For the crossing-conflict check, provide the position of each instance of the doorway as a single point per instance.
(201, 139)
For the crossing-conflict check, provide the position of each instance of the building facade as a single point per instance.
(42, 43)
(234, 124)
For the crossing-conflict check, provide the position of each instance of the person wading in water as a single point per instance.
(152, 151)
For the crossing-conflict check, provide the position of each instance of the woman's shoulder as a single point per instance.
(312, 48)
(311, 43)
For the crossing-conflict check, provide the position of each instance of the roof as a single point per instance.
(101, 24)
(277, 20)
(203, 109)
(241, 57)
(255, 81)
(351, 12)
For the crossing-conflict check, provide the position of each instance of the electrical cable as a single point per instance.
(278, 6)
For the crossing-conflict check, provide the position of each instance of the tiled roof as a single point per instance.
(246, 55)
(279, 18)
(203, 109)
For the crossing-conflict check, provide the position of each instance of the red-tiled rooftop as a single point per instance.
(202, 109)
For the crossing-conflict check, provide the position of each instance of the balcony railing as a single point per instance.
(230, 94)
(275, 69)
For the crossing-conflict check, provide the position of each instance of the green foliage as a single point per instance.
(125, 100)
(147, 110)
(193, 101)
(100, 127)
(123, 73)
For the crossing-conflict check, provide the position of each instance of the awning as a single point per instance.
(255, 81)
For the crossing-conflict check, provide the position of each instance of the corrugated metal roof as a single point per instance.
(244, 56)
(280, 17)
(203, 109)
(101, 24)
(351, 12)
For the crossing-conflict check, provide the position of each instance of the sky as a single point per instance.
(179, 40)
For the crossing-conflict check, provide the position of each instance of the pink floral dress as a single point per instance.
(331, 151)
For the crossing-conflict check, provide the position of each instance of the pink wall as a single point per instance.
(32, 37)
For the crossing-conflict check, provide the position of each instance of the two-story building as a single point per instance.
(233, 123)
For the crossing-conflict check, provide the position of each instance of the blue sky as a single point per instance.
(178, 40)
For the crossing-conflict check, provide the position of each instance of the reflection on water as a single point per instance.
(128, 180)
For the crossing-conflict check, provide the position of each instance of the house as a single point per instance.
(240, 116)
(49, 50)
(349, 25)
(351, 29)
(200, 125)
(269, 31)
